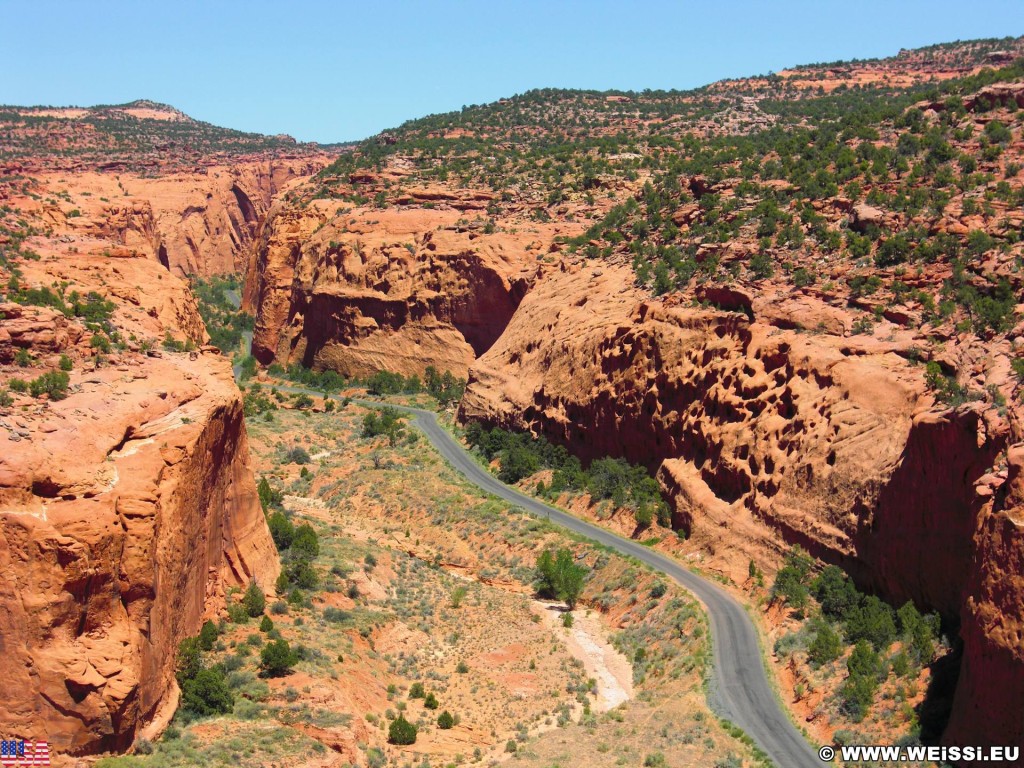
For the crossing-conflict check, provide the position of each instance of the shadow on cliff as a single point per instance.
(934, 710)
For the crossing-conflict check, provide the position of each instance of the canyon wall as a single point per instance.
(364, 290)
(765, 435)
(195, 222)
(209, 220)
(126, 511)
(128, 507)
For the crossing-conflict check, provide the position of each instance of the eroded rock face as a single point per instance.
(126, 510)
(764, 436)
(209, 221)
(199, 222)
(366, 290)
(990, 690)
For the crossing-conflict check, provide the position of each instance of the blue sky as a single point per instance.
(334, 71)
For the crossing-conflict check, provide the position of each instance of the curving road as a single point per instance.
(739, 690)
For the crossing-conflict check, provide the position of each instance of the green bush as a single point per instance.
(254, 601)
(445, 720)
(277, 658)
(856, 696)
(387, 422)
(401, 732)
(826, 646)
(208, 636)
(189, 659)
(207, 694)
(864, 661)
(281, 530)
(430, 701)
(52, 383)
(416, 691)
(305, 543)
(559, 577)
(237, 614)
(835, 592)
(791, 580)
(270, 497)
(873, 621)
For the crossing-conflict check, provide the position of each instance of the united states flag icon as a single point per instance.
(16, 752)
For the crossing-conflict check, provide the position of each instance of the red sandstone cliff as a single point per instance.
(986, 708)
(363, 290)
(765, 436)
(126, 510)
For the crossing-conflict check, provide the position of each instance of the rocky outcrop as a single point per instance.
(395, 290)
(986, 708)
(766, 436)
(126, 511)
(199, 222)
(208, 221)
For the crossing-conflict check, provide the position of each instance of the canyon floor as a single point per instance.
(394, 565)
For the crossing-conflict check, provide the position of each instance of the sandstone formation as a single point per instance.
(368, 290)
(764, 436)
(991, 684)
(128, 507)
(126, 511)
(195, 222)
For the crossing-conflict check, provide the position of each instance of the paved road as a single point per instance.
(739, 687)
(740, 691)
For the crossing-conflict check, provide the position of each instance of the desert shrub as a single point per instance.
(835, 592)
(54, 384)
(297, 455)
(856, 696)
(208, 636)
(873, 621)
(791, 580)
(401, 732)
(559, 577)
(254, 601)
(207, 694)
(281, 530)
(305, 543)
(277, 658)
(445, 720)
(826, 646)
(387, 422)
(269, 498)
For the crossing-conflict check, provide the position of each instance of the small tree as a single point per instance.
(401, 732)
(277, 658)
(281, 530)
(254, 601)
(431, 702)
(208, 636)
(207, 694)
(445, 720)
(305, 543)
(559, 576)
(189, 659)
(266, 625)
(826, 646)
